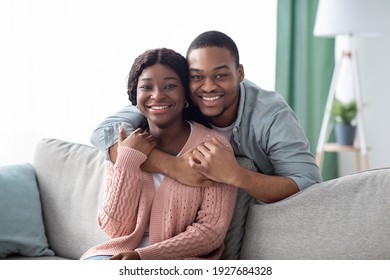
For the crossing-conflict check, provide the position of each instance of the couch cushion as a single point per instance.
(345, 218)
(71, 180)
(21, 225)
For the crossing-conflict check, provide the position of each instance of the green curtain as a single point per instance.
(304, 67)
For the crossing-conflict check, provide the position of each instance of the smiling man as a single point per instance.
(259, 123)
(214, 83)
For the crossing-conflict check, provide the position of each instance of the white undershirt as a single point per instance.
(224, 131)
(157, 179)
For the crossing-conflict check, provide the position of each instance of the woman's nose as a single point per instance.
(157, 93)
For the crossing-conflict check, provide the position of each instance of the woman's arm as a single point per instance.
(122, 177)
(125, 184)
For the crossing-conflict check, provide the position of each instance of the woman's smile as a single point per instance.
(158, 108)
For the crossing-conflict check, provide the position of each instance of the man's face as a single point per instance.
(214, 84)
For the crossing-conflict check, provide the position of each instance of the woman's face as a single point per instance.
(160, 96)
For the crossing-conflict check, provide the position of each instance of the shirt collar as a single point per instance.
(240, 104)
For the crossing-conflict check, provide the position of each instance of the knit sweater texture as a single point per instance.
(185, 222)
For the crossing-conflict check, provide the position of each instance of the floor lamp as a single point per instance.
(349, 18)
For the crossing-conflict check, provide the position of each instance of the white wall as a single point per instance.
(64, 63)
(374, 62)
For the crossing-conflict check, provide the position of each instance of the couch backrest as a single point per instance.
(71, 179)
(344, 218)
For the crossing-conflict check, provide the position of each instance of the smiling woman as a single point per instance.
(158, 86)
(149, 215)
(160, 97)
(64, 63)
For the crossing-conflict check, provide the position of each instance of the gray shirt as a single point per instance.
(266, 131)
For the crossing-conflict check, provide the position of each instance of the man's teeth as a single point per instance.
(211, 98)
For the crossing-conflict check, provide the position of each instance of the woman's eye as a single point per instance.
(146, 87)
(170, 86)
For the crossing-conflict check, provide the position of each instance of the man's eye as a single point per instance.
(221, 76)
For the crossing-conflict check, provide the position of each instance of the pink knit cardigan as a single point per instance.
(185, 222)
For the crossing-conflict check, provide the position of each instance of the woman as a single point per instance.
(149, 216)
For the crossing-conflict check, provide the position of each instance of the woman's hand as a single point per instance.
(139, 140)
(132, 255)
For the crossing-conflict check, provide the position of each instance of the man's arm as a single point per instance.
(105, 138)
(217, 163)
(106, 133)
(177, 168)
(265, 188)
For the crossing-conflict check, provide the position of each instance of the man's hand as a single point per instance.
(132, 255)
(188, 175)
(177, 168)
(139, 140)
(214, 161)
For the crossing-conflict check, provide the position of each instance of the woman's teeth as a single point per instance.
(158, 107)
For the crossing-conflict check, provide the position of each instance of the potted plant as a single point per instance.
(344, 114)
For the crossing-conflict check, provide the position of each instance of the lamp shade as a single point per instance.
(347, 17)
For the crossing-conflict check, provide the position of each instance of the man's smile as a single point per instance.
(211, 98)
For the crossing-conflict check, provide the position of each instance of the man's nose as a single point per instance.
(209, 85)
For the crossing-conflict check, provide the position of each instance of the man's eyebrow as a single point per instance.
(215, 68)
(195, 69)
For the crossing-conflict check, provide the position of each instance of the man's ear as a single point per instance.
(240, 72)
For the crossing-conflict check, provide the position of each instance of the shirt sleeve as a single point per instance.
(106, 133)
(288, 149)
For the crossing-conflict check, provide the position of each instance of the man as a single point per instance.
(260, 125)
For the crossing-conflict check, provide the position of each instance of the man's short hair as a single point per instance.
(215, 39)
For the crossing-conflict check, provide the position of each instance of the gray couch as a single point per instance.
(346, 218)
